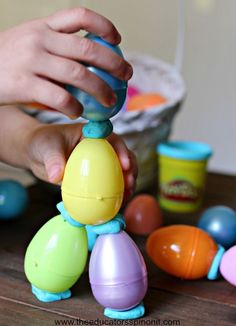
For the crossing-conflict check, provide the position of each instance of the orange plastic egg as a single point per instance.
(145, 101)
(143, 215)
(181, 250)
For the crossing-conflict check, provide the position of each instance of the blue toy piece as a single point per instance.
(134, 313)
(93, 110)
(45, 296)
(220, 223)
(92, 237)
(13, 199)
(113, 226)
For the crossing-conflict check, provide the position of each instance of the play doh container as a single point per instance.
(182, 174)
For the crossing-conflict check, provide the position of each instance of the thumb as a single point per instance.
(54, 162)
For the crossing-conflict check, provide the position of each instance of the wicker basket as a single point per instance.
(143, 130)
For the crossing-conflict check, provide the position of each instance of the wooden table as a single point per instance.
(169, 301)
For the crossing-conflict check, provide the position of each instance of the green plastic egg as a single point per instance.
(56, 256)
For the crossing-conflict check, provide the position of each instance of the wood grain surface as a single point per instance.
(169, 301)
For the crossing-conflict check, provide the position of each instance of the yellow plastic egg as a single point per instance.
(93, 184)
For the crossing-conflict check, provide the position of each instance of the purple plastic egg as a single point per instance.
(117, 272)
(228, 266)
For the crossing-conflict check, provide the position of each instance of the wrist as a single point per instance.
(16, 130)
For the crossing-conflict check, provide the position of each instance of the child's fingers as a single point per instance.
(127, 157)
(54, 162)
(70, 72)
(54, 172)
(73, 134)
(133, 164)
(121, 150)
(50, 148)
(73, 20)
(127, 194)
(82, 49)
(53, 96)
(130, 180)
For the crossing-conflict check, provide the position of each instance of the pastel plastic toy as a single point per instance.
(91, 196)
(92, 192)
(220, 223)
(190, 253)
(56, 257)
(118, 288)
(143, 215)
(13, 199)
(228, 266)
(93, 110)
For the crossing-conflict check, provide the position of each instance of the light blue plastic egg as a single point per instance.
(94, 110)
(220, 223)
(13, 199)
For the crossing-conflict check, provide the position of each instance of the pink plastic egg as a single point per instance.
(228, 266)
(117, 272)
(132, 91)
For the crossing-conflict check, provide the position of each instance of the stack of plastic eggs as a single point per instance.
(92, 194)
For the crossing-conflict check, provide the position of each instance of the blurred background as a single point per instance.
(209, 68)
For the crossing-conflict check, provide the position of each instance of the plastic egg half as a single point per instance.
(93, 184)
(117, 272)
(56, 256)
(181, 250)
(94, 110)
(220, 223)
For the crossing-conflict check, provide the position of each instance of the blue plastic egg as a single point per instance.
(94, 110)
(13, 199)
(220, 223)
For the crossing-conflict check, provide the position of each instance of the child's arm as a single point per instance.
(38, 57)
(44, 149)
(16, 128)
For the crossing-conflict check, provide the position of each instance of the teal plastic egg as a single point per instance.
(220, 223)
(94, 110)
(13, 199)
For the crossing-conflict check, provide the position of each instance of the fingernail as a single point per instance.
(54, 173)
(129, 72)
(73, 117)
(130, 180)
(118, 38)
(75, 111)
(113, 99)
(125, 163)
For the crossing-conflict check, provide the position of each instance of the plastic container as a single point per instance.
(182, 174)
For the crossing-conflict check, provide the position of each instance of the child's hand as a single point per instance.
(37, 58)
(49, 147)
(128, 163)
